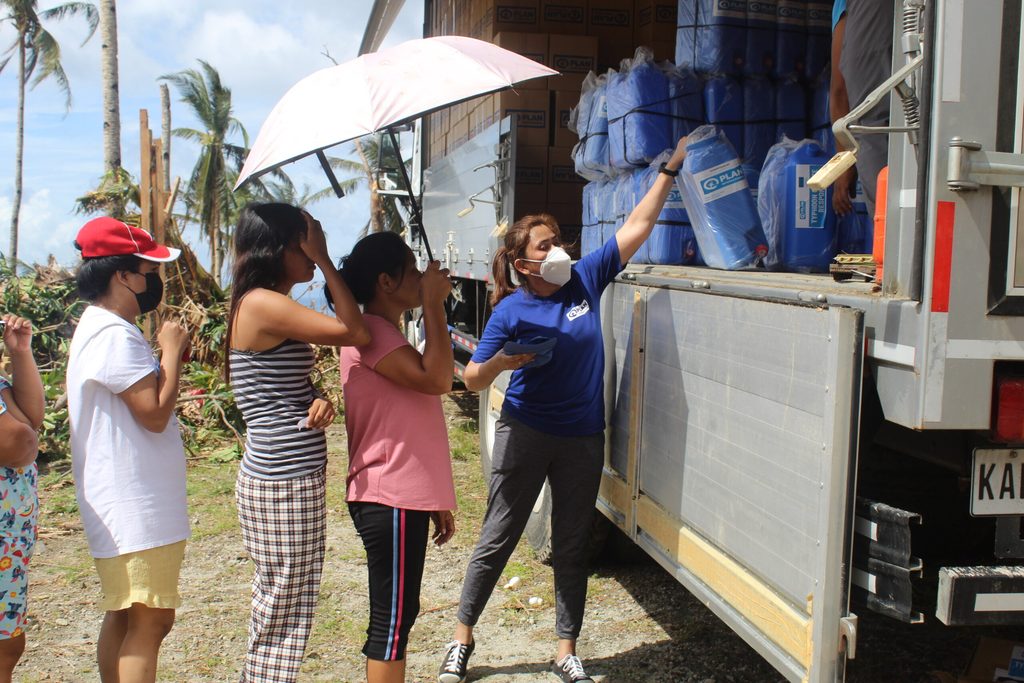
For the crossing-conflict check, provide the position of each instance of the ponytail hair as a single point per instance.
(517, 238)
(377, 253)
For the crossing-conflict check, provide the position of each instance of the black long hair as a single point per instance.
(264, 232)
(379, 252)
(93, 274)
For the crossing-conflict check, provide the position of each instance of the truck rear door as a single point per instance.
(731, 458)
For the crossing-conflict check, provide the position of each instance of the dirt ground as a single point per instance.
(641, 625)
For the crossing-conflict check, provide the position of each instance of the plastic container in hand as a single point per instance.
(639, 116)
(718, 201)
(671, 241)
(711, 36)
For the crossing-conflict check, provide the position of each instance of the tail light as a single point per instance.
(1008, 413)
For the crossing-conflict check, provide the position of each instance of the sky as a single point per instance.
(260, 49)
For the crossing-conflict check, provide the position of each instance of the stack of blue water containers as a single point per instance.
(756, 69)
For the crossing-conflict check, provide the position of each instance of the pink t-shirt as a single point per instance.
(397, 437)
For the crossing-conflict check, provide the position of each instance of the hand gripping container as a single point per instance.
(718, 201)
(799, 222)
(711, 36)
(639, 112)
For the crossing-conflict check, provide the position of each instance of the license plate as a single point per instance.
(997, 482)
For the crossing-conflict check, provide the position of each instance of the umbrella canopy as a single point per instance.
(381, 89)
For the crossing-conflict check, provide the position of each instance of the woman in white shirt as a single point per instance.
(126, 449)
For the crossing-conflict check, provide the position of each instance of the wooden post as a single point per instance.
(145, 170)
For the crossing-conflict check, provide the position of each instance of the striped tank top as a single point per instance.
(273, 391)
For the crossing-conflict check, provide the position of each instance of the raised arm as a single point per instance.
(641, 221)
(152, 399)
(350, 330)
(28, 386)
(431, 372)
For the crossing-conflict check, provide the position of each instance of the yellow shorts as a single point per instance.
(149, 577)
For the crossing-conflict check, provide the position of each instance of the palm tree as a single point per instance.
(209, 199)
(379, 164)
(34, 46)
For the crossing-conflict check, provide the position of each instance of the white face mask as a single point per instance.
(556, 267)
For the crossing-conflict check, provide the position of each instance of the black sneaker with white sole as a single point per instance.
(570, 669)
(456, 659)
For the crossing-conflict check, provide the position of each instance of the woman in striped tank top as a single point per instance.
(280, 490)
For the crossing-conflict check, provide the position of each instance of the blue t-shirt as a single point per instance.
(838, 10)
(565, 396)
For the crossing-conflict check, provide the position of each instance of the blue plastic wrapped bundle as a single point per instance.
(857, 229)
(711, 36)
(758, 125)
(723, 107)
(790, 38)
(718, 202)
(820, 123)
(591, 153)
(625, 199)
(790, 110)
(606, 205)
(590, 231)
(639, 116)
(819, 38)
(799, 222)
(685, 91)
(760, 52)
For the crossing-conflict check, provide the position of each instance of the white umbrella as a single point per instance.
(379, 90)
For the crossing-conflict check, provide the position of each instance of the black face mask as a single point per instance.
(152, 295)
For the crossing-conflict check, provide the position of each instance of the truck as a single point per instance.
(792, 447)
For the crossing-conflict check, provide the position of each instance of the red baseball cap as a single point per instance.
(106, 236)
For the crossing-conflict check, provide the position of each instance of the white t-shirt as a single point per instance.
(130, 482)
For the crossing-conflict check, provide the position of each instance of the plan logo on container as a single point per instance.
(788, 12)
(759, 10)
(722, 180)
(731, 8)
(578, 311)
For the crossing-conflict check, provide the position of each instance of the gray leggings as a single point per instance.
(523, 458)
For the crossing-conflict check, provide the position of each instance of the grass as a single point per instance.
(211, 494)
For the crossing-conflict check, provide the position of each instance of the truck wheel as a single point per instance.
(538, 527)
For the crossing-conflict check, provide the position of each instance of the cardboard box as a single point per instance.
(531, 109)
(531, 45)
(655, 21)
(565, 100)
(531, 187)
(570, 224)
(509, 15)
(611, 21)
(574, 57)
(563, 16)
(564, 186)
(993, 660)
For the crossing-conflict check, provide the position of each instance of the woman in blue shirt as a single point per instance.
(552, 421)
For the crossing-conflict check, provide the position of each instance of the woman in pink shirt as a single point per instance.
(400, 474)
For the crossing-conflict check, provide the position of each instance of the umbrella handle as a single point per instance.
(417, 216)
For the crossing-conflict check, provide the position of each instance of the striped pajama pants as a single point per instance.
(396, 548)
(284, 525)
